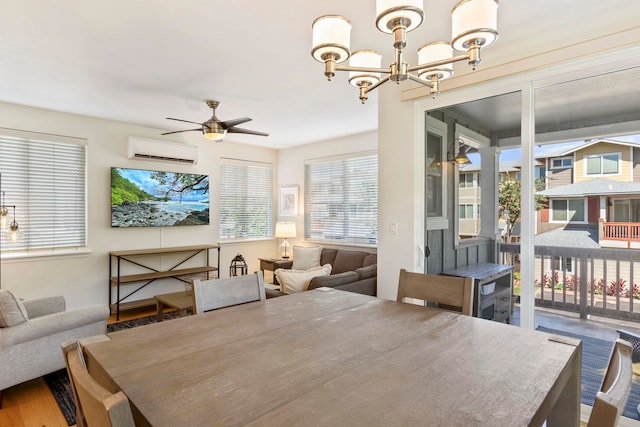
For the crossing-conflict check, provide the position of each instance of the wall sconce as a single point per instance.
(460, 158)
(285, 230)
(4, 214)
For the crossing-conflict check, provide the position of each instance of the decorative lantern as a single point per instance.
(238, 266)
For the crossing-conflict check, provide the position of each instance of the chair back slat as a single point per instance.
(450, 291)
(100, 408)
(218, 293)
(614, 391)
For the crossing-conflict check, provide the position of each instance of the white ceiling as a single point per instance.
(140, 61)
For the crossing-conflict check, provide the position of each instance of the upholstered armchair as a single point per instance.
(32, 332)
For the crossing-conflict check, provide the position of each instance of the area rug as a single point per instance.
(595, 357)
(58, 381)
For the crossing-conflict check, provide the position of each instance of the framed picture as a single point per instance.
(289, 201)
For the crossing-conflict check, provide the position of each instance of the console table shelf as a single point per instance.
(134, 257)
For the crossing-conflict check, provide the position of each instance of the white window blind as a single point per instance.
(44, 176)
(246, 200)
(341, 199)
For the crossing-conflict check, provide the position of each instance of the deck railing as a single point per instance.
(620, 231)
(601, 282)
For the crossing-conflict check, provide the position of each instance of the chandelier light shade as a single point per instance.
(331, 38)
(474, 24)
(433, 52)
(392, 13)
(474, 21)
(366, 59)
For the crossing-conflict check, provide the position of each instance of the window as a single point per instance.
(560, 263)
(466, 211)
(341, 199)
(44, 176)
(561, 162)
(568, 210)
(246, 200)
(602, 164)
(466, 180)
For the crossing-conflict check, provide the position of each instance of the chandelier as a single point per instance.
(474, 26)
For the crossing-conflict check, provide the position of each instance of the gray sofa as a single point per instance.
(353, 271)
(32, 348)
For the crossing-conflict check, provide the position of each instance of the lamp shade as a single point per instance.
(474, 20)
(331, 37)
(285, 229)
(367, 59)
(390, 12)
(435, 51)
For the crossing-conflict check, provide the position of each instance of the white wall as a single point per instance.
(291, 166)
(83, 279)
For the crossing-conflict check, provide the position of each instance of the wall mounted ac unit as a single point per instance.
(153, 149)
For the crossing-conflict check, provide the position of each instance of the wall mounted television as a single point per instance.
(147, 198)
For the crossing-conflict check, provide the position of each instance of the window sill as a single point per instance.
(48, 253)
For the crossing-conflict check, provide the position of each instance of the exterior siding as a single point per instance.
(559, 177)
(636, 165)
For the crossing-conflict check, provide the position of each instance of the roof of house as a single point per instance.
(565, 151)
(593, 187)
(574, 236)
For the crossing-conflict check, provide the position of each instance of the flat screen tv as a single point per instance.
(146, 198)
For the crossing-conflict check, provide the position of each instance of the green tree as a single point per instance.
(509, 200)
(178, 183)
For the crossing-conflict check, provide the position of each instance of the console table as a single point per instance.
(138, 257)
(493, 287)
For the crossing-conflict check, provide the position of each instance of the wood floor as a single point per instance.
(31, 404)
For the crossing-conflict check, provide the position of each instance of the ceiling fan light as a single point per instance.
(331, 38)
(215, 136)
(474, 20)
(435, 51)
(391, 12)
(365, 59)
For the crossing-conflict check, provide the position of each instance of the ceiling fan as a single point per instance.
(216, 129)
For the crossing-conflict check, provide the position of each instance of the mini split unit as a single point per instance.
(153, 149)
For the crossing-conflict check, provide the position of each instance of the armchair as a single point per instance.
(32, 332)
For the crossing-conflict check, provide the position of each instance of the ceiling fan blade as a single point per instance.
(229, 123)
(178, 131)
(186, 121)
(250, 132)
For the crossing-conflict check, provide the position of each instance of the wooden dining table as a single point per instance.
(333, 358)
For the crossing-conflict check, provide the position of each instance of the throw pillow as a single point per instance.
(305, 258)
(12, 311)
(293, 281)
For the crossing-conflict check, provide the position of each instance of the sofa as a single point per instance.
(353, 271)
(31, 333)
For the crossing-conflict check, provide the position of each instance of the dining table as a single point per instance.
(334, 358)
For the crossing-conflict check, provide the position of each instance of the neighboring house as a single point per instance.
(594, 187)
(470, 194)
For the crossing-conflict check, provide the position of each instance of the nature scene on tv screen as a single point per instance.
(145, 198)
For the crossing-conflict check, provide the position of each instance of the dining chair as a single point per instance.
(615, 387)
(448, 292)
(218, 293)
(97, 406)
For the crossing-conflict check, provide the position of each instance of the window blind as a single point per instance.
(341, 199)
(246, 200)
(44, 176)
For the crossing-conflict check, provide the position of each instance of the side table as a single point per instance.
(272, 264)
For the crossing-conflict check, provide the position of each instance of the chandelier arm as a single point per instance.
(362, 69)
(440, 62)
(419, 80)
(376, 84)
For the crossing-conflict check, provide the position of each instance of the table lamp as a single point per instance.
(285, 230)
